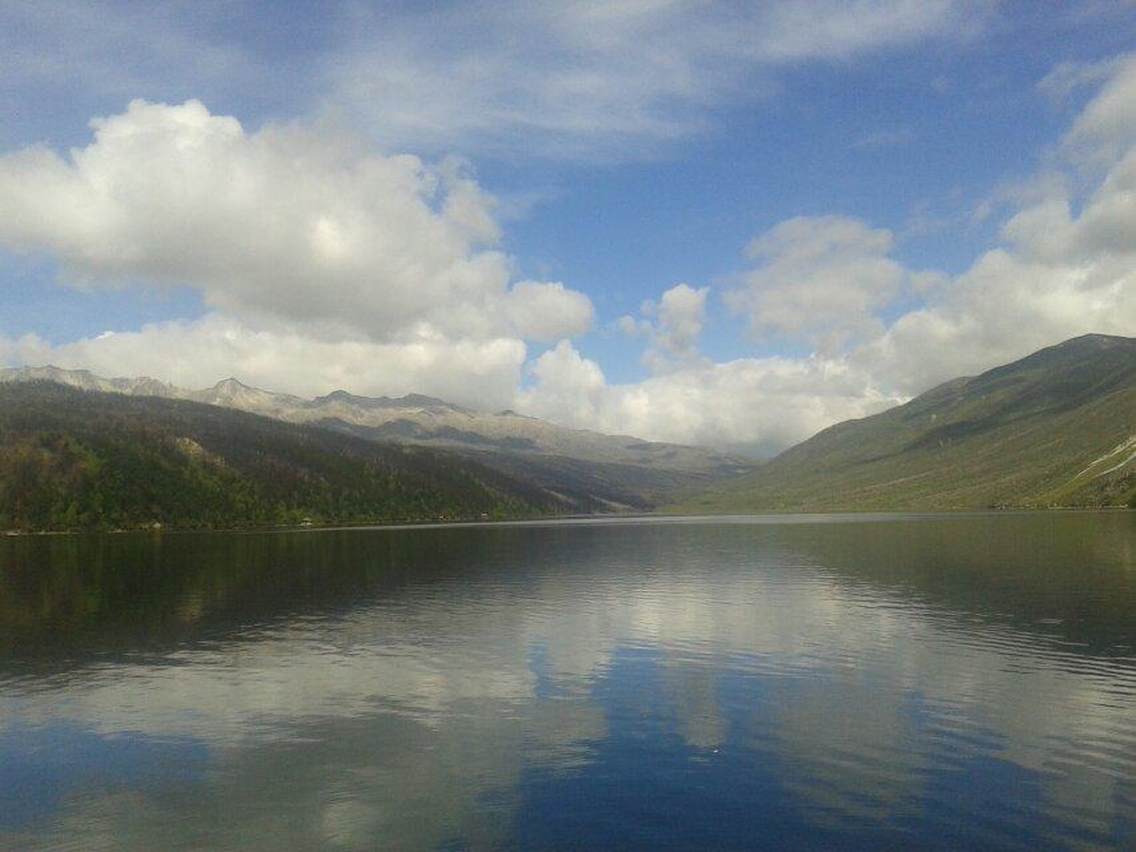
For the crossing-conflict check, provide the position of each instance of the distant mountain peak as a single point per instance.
(1098, 341)
(1102, 338)
(419, 419)
(1085, 344)
(86, 380)
(411, 400)
(231, 382)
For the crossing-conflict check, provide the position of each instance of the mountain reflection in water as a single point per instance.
(868, 680)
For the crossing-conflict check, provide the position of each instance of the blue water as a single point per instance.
(853, 682)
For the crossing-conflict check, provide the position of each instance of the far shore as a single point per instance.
(158, 529)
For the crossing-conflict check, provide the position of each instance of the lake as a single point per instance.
(951, 681)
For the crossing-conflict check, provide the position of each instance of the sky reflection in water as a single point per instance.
(935, 680)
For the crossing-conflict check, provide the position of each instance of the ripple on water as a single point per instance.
(864, 684)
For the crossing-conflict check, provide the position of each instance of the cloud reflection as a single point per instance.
(412, 685)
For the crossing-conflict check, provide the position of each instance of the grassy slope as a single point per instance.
(73, 459)
(1018, 435)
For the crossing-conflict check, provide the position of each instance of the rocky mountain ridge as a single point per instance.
(582, 471)
(413, 418)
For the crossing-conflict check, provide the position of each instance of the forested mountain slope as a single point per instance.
(73, 459)
(414, 419)
(590, 471)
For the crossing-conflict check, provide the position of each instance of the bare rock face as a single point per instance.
(86, 380)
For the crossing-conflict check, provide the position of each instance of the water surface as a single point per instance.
(803, 682)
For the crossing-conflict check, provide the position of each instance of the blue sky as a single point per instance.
(497, 202)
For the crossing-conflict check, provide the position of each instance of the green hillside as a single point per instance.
(72, 459)
(1057, 428)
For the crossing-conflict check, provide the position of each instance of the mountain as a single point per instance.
(590, 470)
(1057, 428)
(86, 380)
(88, 459)
(410, 419)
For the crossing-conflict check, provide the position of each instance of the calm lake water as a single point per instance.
(796, 682)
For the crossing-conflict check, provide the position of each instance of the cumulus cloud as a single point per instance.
(1002, 309)
(1049, 232)
(820, 279)
(751, 404)
(570, 389)
(547, 311)
(680, 314)
(286, 223)
(672, 327)
(1064, 266)
(195, 354)
(327, 265)
(598, 78)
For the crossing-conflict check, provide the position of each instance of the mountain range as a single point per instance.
(1057, 428)
(581, 470)
(409, 419)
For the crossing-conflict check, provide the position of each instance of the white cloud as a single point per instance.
(672, 327)
(529, 78)
(547, 311)
(599, 78)
(1103, 230)
(289, 226)
(571, 389)
(481, 374)
(821, 279)
(1065, 267)
(681, 314)
(329, 266)
(758, 405)
(1059, 274)
(1003, 308)
(1106, 128)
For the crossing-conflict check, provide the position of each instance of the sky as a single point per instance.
(722, 223)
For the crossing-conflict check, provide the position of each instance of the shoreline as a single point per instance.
(574, 518)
